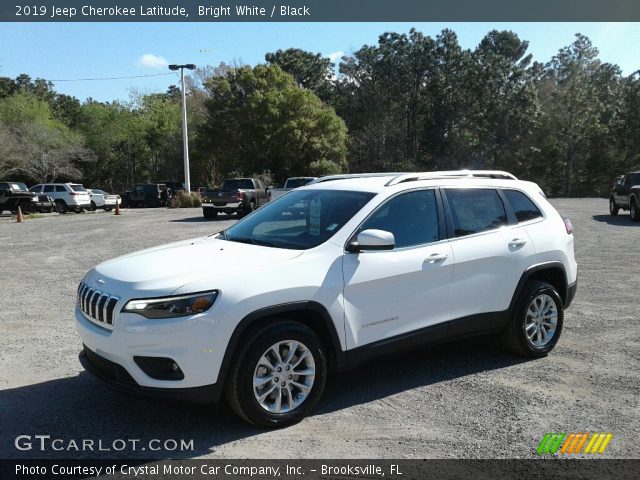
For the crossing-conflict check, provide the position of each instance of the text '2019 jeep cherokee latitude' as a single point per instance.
(323, 279)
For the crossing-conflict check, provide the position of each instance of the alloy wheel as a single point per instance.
(284, 376)
(541, 321)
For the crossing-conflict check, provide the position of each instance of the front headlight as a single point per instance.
(171, 307)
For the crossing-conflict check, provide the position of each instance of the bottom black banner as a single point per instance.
(209, 469)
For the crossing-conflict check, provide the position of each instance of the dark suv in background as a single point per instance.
(150, 195)
(625, 195)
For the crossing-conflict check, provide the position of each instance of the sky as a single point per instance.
(61, 51)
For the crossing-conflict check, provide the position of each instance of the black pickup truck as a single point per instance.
(14, 195)
(237, 195)
(625, 195)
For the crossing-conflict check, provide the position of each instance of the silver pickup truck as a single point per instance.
(290, 184)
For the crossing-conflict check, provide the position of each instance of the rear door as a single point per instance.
(390, 293)
(490, 253)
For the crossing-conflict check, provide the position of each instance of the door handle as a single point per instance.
(517, 242)
(436, 257)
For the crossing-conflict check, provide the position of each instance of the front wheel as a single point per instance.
(278, 376)
(634, 211)
(537, 322)
(613, 208)
(92, 207)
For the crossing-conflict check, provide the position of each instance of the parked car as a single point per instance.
(101, 199)
(14, 195)
(150, 195)
(326, 278)
(45, 204)
(66, 196)
(237, 195)
(290, 184)
(625, 195)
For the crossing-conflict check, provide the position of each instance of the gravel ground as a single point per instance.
(462, 400)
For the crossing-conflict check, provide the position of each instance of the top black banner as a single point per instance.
(320, 11)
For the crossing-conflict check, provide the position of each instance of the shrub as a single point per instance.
(183, 199)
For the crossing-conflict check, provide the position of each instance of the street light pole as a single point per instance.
(185, 135)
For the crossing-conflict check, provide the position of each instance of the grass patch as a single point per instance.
(183, 199)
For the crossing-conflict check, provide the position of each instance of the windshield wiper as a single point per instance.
(251, 241)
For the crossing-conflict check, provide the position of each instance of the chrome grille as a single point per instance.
(96, 305)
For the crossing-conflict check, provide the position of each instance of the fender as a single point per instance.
(326, 330)
(530, 272)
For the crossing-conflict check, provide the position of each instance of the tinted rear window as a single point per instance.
(78, 188)
(237, 184)
(475, 210)
(522, 205)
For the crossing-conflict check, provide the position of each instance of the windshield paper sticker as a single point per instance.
(314, 217)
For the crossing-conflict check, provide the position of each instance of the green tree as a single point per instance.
(259, 119)
(309, 70)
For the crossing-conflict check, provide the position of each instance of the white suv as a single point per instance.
(325, 278)
(66, 196)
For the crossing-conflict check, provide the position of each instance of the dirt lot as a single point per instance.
(461, 400)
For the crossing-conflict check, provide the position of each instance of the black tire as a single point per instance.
(613, 208)
(239, 385)
(634, 211)
(61, 206)
(92, 206)
(514, 336)
(210, 213)
(107, 209)
(78, 210)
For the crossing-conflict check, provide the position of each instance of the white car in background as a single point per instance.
(66, 196)
(102, 199)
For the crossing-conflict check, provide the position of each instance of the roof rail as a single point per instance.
(412, 177)
(344, 176)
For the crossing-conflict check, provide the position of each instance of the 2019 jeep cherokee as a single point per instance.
(325, 278)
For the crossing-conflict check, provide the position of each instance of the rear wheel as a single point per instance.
(209, 213)
(613, 208)
(634, 211)
(537, 322)
(92, 207)
(61, 206)
(278, 375)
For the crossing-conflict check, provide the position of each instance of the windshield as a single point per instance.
(19, 186)
(243, 183)
(300, 220)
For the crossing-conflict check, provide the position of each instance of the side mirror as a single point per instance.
(371, 240)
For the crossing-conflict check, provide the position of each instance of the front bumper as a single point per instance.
(116, 378)
(187, 341)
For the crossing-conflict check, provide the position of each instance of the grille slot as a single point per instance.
(97, 306)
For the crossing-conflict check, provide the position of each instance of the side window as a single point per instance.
(411, 217)
(60, 188)
(522, 205)
(475, 210)
(48, 188)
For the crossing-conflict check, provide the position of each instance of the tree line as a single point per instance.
(409, 103)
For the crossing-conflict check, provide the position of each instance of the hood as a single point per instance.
(162, 270)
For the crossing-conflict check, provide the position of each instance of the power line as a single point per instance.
(108, 78)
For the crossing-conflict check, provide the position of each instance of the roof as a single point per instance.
(377, 182)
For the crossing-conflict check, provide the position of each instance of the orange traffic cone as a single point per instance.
(19, 217)
(117, 212)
